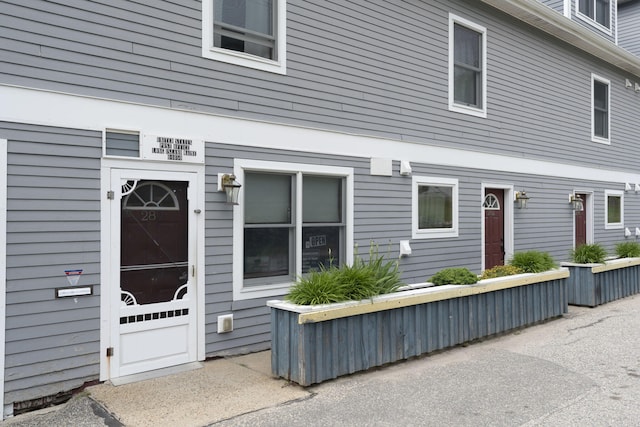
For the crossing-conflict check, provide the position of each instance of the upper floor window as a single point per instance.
(467, 67)
(598, 11)
(250, 33)
(435, 207)
(600, 110)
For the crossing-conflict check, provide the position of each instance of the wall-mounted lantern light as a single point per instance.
(227, 183)
(576, 202)
(522, 199)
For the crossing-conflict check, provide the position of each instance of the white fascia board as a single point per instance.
(23, 105)
(540, 16)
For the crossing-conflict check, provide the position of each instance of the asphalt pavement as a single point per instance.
(582, 369)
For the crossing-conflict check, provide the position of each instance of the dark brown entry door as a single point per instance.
(493, 207)
(581, 222)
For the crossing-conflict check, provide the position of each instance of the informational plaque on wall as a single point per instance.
(172, 149)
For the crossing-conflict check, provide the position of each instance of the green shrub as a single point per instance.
(454, 276)
(592, 253)
(533, 261)
(363, 279)
(500, 271)
(628, 250)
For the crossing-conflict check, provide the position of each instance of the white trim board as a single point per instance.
(32, 106)
(3, 266)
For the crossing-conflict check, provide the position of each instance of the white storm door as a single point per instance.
(153, 268)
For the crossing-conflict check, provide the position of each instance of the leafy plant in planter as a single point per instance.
(592, 253)
(363, 279)
(533, 261)
(500, 271)
(454, 276)
(628, 250)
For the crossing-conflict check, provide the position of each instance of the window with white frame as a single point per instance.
(292, 219)
(467, 67)
(250, 33)
(434, 207)
(614, 209)
(600, 109)
(596, 11)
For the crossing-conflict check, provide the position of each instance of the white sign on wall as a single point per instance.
(172, 149)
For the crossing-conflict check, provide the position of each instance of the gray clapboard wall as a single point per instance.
(53, 225)
(629, 27)
(381, 70)
(382, 214)
(557, 5)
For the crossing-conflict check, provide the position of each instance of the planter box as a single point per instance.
(311, 344)
(595, 284)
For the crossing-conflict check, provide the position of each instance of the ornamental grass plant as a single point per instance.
(628, 250)
(533, 261)
(592, 253)
(364, 279)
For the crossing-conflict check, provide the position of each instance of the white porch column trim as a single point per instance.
(3, 266)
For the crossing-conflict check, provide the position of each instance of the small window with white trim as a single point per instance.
(291, 219)
(435, 207)
(467, 67)
(250, 33)
(614, 209)
(595, 12)
(600, 110)
(121, 143)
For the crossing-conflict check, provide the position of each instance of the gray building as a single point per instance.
(419, 126)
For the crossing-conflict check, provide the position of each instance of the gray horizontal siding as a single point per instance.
(381, 70)
(557, 5)
(587, 23)
(53, 224)
(629, 28)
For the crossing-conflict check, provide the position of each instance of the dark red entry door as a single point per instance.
(581, 222)
(493, 227)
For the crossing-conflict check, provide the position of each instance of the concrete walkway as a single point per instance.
(582, 370)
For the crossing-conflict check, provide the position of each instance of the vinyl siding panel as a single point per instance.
(53, 224)
(557, 5)
(381, 71)
(628, 28)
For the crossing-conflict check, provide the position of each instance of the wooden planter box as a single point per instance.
(311, 344)
(595, 284)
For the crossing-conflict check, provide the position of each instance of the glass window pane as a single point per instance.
(467, 46)
(322, 199)
(602, 12)
(586, 7)
(600, 95)
(266, 252)
(254, 15)
(320, 246)
(466, 86)
(614, 209)
(435, 207)
(267, 198)
(600, 124)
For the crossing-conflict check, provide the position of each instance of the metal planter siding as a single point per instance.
(595, 284)
(310, 345)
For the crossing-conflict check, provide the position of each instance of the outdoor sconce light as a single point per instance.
(522, 199)
(576, 202)
(227, 183)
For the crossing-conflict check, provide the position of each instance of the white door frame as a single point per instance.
(107, 322)
(3, 268)
(508, 220)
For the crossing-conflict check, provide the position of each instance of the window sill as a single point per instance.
(254, 292)
(599, 140)
(477, 112)
(434, 234)
(244, 60)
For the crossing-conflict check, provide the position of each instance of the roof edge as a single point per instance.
(556, 24)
